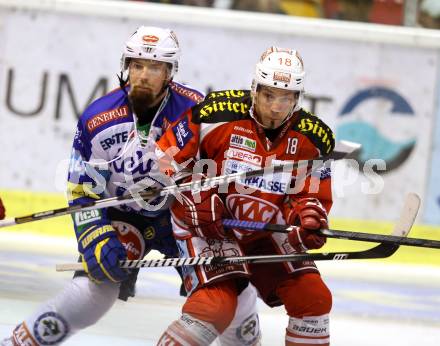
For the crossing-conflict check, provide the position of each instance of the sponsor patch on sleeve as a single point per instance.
(106, 117)
(187, 92)
(182, 132)
(317, 131)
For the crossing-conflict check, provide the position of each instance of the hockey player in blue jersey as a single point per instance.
(112, 155)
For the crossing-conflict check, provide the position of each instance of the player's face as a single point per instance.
(273, 105)
(148, 77)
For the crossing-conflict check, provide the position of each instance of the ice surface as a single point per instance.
(374, 303)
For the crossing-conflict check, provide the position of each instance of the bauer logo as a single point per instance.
(243, 142)
(50, 329)
(182, 132)
(84, 217)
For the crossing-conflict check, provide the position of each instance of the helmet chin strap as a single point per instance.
(142, 131)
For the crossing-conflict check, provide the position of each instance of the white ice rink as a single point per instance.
(374, 303)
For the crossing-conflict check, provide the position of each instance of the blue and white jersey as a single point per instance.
(107, 157)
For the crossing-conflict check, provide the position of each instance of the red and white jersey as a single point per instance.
(221, 129)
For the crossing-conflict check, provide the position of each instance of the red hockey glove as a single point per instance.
(2, 210)
(202, 213)
(310, 215)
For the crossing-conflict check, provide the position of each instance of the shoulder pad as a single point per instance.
(316, 130)
(186, 91)
(108, 109)
(223, 106)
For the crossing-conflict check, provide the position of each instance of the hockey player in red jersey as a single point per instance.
(237, 131)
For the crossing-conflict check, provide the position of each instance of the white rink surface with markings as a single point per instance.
(374, 303)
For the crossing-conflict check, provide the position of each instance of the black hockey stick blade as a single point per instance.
(379, 251)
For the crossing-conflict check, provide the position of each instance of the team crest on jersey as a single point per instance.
(250, 208)
(219, 248)
(243, 142)
(249, 330)
(50, 328)
(131, 238)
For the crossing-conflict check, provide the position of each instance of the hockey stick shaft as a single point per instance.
(404, 224)
(343, 150)
(401, 228)
(332, 233)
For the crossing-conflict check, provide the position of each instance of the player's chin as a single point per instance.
(271, 125)
(142, 97)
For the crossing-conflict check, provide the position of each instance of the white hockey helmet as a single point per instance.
(153, 43)
(280, 68)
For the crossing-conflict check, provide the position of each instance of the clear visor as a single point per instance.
(277, 100)
(150, 67)
(282, 104)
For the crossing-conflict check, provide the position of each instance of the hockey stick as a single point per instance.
(343, 149)
(332, 233)
(383, 250)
